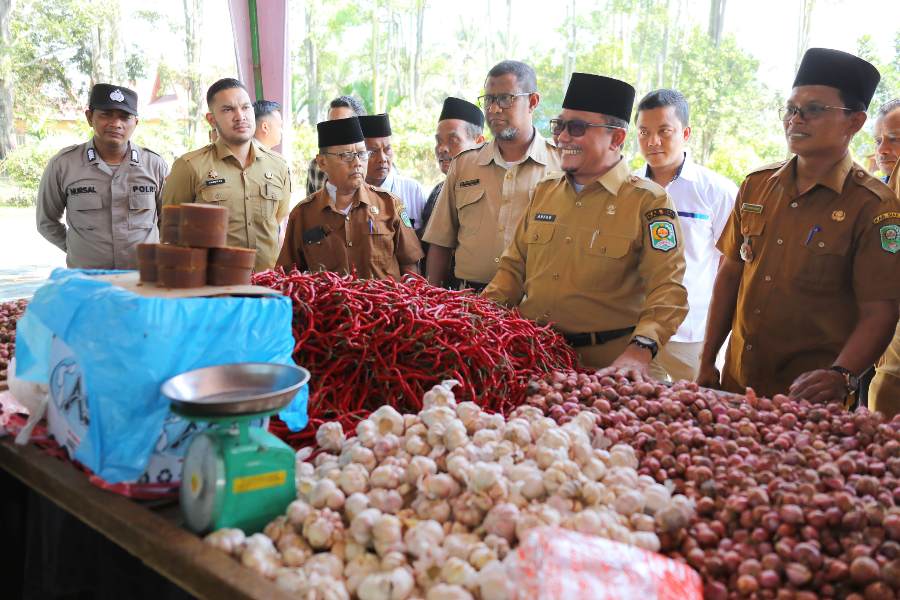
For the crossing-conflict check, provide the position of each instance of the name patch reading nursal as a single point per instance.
(546, 217)
(660, 212)
(469, 183)
(885, 216)
(751, 208)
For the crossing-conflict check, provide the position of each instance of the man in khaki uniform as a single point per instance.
(236, 172)
(349, 224)
(488, 188)
(599, 251)
(884, 391)
(108, 188)
(807, 285)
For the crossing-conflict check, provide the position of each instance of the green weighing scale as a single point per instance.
(235, 475)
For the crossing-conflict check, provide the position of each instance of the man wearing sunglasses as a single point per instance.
(349, 224)
(599, 251)
(808, 284)
(487, 188)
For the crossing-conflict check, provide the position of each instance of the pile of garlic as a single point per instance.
(425, 506)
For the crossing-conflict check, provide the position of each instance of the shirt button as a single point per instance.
(768, 278)
(756, 311)
(502, 228)
(821, 244)
(350, 244)
(556, 276)
(508, 175)
(578, 204)
(536, 237)
(568, 239)
(794, 205)
(748, 347)
(779, 241)
(496, 260)
(347, 218)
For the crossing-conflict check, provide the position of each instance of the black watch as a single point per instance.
(850, 380)
(644, 342)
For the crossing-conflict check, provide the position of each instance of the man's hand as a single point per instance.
(821, 385)
(632, 364)
(709, 377)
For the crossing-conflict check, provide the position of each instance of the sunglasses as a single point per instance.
(576, 127)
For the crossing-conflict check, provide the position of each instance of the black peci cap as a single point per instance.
(339, 132)
(599, 94)
(375, 126)
(848, 73)
(457, 108)
(113, 97)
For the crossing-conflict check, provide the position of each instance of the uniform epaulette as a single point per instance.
(143, 149)
(272, 153)
(646, 184)
(188, 156)
(862, 178)
(68, 149)
(769, 167)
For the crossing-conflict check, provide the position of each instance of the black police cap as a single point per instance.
(339, 132)
(457, 108)
(850, 74)
(113, 97)
(599, 94)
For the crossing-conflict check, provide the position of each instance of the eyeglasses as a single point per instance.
(501, 100)
(576, 127)
(808, 112)
(349, 156)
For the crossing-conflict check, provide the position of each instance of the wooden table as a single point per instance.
(152, 535)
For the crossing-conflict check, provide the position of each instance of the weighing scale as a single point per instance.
(235, 475)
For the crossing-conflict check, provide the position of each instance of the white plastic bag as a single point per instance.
(33, 396)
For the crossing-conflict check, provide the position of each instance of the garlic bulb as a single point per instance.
(330, 436)
(230, 541)
(422, 536)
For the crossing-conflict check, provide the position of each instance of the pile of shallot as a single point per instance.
(427, 505)
(10, 312)
(794, 500)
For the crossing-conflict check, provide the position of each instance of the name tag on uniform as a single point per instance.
(82, 190)
(751, 208)
(215, 181)
(469, 183)
(314, 235)
(546, 217)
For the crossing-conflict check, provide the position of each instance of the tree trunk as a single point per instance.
(417, 62)
(376, 80)
(312, 68)
(7, 137)
(508, 48)
(716, 20)
(569, 65)
(193, 27)
(803, 26)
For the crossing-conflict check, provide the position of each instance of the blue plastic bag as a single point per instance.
(127, 345)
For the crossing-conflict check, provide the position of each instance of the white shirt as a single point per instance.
(410, 192)
(704, 200)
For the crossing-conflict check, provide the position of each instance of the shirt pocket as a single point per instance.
(141, 211)
(602, 260)
(381, 242)
(469, 208)
(212, 195)
(270, 195)
(823, 265)
(84, 211)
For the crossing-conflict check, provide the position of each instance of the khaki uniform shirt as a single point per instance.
(372, 238)
(109, 209)
(257, 197)
(608, 257)
(812, 258)
(481, 203)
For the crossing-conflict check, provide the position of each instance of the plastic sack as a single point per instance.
(555, 563)
(32, 396)
(111, 349)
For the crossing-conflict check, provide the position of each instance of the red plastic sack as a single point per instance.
(555, 563)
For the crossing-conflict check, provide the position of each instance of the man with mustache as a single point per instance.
(807, 286)
(349, 224)
(599, 251)
(487, 188)
(380, 171)
(236, 172)
(884, 391)
(342, 107)
(108, 188)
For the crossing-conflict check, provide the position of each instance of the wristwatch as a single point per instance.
(850, 380)
(644, 342)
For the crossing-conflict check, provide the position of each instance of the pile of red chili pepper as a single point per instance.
(369, 342)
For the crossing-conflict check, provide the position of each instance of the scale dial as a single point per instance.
(202, 483)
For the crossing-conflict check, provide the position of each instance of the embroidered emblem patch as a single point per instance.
(405, 218)
(546, 217)
(890, 238)
(117, 96)
(92, 156)
(885, 216)
(751, 208)
(838, 216)
(662, 235)
(660, 212)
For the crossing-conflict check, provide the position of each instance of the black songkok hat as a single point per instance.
(339, 132)
(846, 72)
(113, 97)
(375, 126)
(456, 108)
(599, 94)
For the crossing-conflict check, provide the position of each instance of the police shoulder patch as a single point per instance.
(662, 236)
(769, 167)
(885, 216)
(660, 212)
(890, 238)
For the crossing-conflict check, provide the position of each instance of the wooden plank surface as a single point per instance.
(151, 535)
